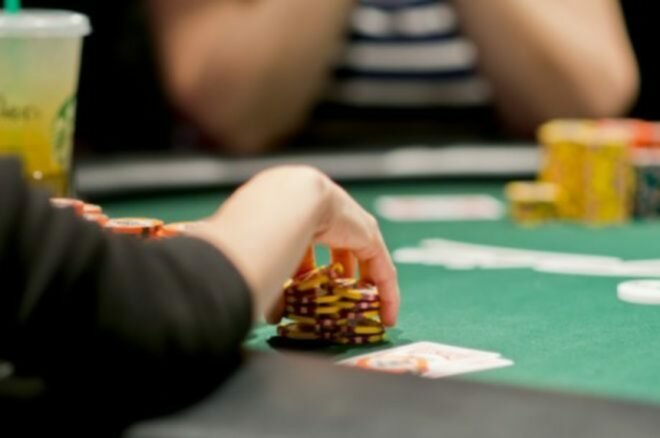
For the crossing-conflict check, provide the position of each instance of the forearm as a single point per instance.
(248, 72)
(553, 59)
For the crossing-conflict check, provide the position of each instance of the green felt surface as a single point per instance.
(564, 332)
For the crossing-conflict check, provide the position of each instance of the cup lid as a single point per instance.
(44, 23)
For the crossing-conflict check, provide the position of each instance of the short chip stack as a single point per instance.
(532, 202)
(323, 306)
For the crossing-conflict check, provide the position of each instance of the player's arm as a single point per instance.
(150, 325)
(248, 71)
(553, 58)
(110, 319)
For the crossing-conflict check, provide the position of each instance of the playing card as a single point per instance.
(439, 208)
(429, 359)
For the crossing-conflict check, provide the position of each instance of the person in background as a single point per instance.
(249, 73)
(124, 328)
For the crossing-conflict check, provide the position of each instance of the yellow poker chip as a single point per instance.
(319, 324)
(293, 298)
(301, 319)
(299, 332)
(364, 327)
(312, 283)
(312, 310)
(358, 315)
(358, 305)
(366, 293)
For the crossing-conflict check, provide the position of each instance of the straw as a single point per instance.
(13, 6)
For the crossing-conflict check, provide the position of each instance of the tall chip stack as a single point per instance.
(602, 171)
(607, 183)
(563, 142)
(322, 306)
(646, 163)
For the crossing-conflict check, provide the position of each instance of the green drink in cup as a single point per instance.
(39, 67)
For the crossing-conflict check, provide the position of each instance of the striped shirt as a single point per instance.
(407, 54)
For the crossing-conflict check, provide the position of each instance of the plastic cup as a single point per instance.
(39, 67)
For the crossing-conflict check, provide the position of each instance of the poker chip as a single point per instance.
(98, 218)
(312, 309)
(640, 292)
(77, 205)
(318, 323)
(141, 227)
(299, 332)
(354, 315)
(294, 298)
(363, 327)
(358, 305)
(361, 293)
(92, 209)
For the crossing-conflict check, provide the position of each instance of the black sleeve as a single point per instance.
(111, 317)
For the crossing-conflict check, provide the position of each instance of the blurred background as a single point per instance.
(123, 108)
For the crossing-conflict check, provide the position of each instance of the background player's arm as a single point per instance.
(553, 58)
(248, 71)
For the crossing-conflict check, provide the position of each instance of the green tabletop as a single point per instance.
(564, 332)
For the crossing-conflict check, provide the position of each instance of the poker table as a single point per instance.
(567, 334)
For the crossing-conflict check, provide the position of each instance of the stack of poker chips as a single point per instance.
(646, 165)
(323, 306)
(140, 227)
(532, 202)
(89, 212)
(596, 172)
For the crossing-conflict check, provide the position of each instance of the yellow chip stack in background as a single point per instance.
(563, 142)
(590, 164)
(607, 175)
(532, 202)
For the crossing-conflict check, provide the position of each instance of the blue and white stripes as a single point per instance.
(407, 53)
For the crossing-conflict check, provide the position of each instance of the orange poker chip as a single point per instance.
(77, 205)
(92, 209)
(99, 218)
(135, 226)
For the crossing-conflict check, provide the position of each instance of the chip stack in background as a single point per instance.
(600, 177)
(646, 165)
(532, 202)
(606, 174)
(324, 307)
